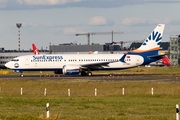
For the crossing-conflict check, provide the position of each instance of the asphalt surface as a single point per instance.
(94, 77)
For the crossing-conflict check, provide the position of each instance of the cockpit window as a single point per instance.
(15, 60)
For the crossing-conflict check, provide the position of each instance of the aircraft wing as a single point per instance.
(95, 65)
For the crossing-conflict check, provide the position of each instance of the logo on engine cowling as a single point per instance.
(16, 65)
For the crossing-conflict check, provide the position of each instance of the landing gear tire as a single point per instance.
(89, 73)
(83, 73)
(21, 75)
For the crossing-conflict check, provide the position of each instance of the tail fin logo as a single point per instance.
(153, 41)
(36, 52)
(154, 36)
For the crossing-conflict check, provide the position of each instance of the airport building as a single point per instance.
(70, 47)
(175, 50)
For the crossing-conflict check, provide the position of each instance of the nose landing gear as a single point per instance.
(21, 75)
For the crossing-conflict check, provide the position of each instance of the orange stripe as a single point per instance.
(126, 52)
(140, 51)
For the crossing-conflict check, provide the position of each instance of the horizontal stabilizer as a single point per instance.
(155, 56)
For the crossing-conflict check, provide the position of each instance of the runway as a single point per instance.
(94, 77)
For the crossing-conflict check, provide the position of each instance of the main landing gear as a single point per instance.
(89, 73)
(83, 73)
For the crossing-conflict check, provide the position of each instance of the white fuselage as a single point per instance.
(57, 61)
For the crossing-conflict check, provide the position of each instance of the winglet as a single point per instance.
(36, 52)
(90, 52)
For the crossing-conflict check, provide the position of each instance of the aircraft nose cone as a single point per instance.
(7, 65)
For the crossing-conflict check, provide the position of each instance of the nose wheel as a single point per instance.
(21, 75)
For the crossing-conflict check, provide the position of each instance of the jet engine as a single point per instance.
(70, 69)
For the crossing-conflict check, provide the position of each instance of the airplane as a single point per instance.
(166, 61)
(35, 50)
(85, 63)
(162, 62)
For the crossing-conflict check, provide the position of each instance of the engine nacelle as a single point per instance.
(58, 72)
(70, 69)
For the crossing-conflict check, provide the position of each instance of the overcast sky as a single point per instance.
(57, 21)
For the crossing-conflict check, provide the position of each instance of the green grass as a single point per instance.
(137, 107)
(137, 103)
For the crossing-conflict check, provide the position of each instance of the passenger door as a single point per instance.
(27, 61)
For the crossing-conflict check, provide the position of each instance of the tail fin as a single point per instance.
(153, 41)
(166, 61)
(36, 52)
